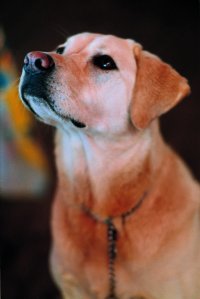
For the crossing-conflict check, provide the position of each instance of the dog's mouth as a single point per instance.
(34, 93)
(74, 121)
(77, 123)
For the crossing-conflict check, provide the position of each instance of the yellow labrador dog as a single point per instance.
(126, 216)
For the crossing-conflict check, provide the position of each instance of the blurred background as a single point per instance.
(169, 29)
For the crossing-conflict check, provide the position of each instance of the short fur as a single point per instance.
(108, 166)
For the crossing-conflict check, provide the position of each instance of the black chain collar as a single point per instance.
(112, 236)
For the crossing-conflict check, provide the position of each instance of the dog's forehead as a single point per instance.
(92, 43)
(79, 41)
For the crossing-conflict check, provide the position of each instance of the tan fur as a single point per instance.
(109, 165)
(158, 88)
(158, 247)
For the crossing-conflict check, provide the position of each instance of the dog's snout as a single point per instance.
(37, 62)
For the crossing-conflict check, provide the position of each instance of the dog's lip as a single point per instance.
(77, 123)
(25, 99)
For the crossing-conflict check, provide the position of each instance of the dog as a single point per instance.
(126, 215)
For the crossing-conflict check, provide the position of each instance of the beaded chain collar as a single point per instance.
(112, 237)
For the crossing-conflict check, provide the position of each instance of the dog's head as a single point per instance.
(99, 83)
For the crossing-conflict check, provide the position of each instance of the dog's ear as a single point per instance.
(157, 89)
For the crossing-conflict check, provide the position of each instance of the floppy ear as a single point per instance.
(157, 89)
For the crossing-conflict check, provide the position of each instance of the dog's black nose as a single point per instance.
(38, 62)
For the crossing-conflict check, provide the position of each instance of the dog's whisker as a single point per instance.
(61, 30)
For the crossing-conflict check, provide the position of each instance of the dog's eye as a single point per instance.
(60, 50)
(104, 62)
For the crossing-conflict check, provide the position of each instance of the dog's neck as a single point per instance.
(108, 175)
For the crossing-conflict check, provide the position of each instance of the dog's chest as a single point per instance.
(87, 259)
(82, 247)
(86, 254)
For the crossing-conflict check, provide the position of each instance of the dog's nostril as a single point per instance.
(44, 63)
(38, 64)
